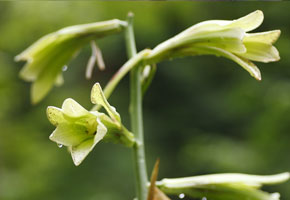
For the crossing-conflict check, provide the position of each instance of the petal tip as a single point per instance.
(68, 102)
(259, 78)
(34, 98)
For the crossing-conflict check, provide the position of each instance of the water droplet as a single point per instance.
(59, 145)
(64, 68)
(204, 198)
(181, 196)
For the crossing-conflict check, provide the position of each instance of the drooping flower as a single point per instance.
(47, 56)
(80, 130)
(225, 38)
(223, 186)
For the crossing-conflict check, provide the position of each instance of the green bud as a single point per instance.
(47, 56)
(80, 130)
(223, 186)
(223, 38)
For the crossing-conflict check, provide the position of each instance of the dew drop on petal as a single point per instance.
(181, 196)
(59, 145)
(64, 68)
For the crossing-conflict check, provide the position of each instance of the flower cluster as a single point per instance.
(80, 130)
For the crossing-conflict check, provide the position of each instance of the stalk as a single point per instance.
(136, 115)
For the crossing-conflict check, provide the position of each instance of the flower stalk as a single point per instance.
(136, 115)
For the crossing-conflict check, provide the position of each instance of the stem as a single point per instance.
(129, 65)
(136, 115)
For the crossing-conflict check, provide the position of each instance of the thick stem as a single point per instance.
(136, 115)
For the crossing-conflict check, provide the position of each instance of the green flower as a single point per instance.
(223, 186)
(80, 130)
(224, 38)
(47, 56)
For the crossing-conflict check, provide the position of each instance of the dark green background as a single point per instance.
(201, 114)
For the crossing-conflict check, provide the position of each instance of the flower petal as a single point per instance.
(248, 22)
(98, 97)
(39, 56)
(80, 152)
(223, 186)
(227, 39)
(51, 67)
(42, 86)
(54, 115)
(72, 108)
(261, 52)
(269, 37)
(246, 64)
(59, 79)
(69, 134)
(249, 180)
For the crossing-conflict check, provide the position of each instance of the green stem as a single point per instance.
(137, 60)
(136, 115)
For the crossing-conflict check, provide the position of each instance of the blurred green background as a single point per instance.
(201, 114)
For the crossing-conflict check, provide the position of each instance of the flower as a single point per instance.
(225, 38)
(80, 130)
(223, 186)
(47, 56)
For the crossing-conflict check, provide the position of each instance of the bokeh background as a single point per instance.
(201, 114)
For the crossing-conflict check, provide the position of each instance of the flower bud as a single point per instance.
(223, 186)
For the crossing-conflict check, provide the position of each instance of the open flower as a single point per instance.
(47, 56)
(223, 186)
(80, 130)
(225, 38)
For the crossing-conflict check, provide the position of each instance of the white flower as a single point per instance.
(225, 38)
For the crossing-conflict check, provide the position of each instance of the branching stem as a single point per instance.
(136, 115)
